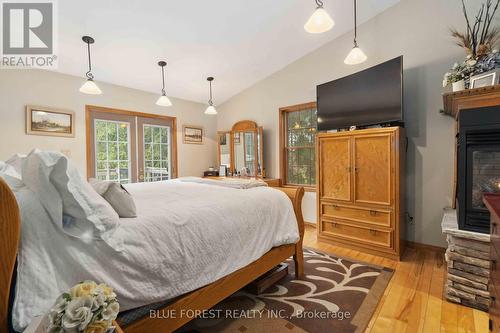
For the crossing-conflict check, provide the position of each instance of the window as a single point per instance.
(126, 146)
(298, 126)
(112, 150)
(156, 153)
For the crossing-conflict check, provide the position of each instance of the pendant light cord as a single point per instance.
(89, 74)
(163, 80)
(355, 24)
(319, 3)
(210, 102)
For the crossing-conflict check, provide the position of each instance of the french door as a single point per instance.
(127, 147)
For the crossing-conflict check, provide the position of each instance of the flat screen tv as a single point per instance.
(372, 96)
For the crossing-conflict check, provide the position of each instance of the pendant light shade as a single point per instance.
(89, 87)
(211, 108)
(163, 100)
(319, 21)
(356, 55)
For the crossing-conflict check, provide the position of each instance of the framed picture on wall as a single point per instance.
(192, 134)
(42, 120)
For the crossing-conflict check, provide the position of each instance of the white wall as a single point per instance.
(417, 29)
(21, 87)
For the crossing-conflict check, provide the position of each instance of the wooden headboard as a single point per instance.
(10, 228)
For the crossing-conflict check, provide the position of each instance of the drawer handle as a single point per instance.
(373, 231)
(373, 212)
(335, 206)
(493, 265)
(493, 299)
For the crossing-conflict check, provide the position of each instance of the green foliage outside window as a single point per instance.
(300, 147)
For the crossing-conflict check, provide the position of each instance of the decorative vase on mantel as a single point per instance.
(457, 86)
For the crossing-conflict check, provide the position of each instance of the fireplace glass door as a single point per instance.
(483, 169)
(485, 176)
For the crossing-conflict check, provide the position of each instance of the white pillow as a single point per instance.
(116, 195)
(62, 191)
(16, 162)
(7, 169)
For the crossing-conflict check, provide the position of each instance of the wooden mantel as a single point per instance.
(453, 102)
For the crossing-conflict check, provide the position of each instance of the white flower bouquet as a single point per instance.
(88, 307)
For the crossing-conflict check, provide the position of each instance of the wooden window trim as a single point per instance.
(88, 135)
(282, 146)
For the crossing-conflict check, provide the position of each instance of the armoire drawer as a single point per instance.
(364, 215)
(369, 236)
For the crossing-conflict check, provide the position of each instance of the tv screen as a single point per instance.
(373, 96)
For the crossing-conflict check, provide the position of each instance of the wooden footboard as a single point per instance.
(296, 195)
(198, 300)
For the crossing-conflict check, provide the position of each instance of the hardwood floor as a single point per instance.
(413, 300)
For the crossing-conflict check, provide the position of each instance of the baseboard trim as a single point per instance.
(415, 245)
(311, 224)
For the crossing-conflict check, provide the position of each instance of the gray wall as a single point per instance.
(21, 87)
(417, 29)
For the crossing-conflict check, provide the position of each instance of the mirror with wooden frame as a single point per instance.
(247, 156)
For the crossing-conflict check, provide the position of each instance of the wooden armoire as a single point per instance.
(360, 189)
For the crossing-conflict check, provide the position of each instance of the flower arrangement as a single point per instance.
(479, 41)
(87, 307)
(470, 67)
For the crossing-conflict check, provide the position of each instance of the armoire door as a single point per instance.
(335, 168)
(372, 169)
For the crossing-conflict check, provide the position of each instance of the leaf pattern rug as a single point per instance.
(336, 295)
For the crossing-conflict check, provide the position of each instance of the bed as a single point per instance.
(210, 288)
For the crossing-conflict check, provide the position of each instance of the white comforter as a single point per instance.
(186, 235)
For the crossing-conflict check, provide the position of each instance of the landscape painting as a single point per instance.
(193, 134)
(49, 121)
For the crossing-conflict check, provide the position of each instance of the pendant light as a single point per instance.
(319, 21)
(89, 87)
(211, 108)
(356, 55)
(163, 100)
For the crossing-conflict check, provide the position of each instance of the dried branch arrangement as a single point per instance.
(480, 37)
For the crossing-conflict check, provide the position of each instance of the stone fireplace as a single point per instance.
(467, 228)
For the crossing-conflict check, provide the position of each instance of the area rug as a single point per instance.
(336, 295)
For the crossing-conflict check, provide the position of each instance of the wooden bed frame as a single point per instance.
(198, 300)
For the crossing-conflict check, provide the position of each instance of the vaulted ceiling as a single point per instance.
(238, 41)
